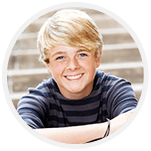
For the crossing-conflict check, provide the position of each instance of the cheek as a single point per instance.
(89, 64)
(58, 68)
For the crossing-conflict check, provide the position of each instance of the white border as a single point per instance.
(65, 5)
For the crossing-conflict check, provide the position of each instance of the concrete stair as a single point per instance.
(120, 57)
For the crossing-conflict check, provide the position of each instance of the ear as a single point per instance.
(48, 67)
(98, 60)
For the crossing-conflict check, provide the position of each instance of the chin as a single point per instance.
(75, 90)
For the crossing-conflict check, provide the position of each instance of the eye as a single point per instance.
(82, 55)
(60, 58)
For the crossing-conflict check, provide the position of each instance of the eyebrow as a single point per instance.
(58, 53)
(62, 52)
(80, 50)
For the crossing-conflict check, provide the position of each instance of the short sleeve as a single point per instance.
(120, 98)
(32, 109)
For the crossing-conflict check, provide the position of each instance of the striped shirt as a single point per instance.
(45, 107)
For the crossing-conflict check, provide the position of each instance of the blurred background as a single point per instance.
(121, 56)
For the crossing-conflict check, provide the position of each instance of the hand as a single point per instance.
(118, 121)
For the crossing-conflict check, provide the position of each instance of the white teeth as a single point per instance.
(74, 77)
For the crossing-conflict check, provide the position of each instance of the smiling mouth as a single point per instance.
(74, 77)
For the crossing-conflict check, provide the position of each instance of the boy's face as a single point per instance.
(73, 70)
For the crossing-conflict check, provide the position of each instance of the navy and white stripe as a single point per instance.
(45, 107)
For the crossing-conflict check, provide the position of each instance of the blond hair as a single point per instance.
(69, 27)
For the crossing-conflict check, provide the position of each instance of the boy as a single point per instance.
(75, 105)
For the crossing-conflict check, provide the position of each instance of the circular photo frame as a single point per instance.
(7, 87)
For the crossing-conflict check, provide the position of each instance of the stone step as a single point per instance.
(101, 20)
(87, 10)
(112, 36)
(104, 31)
(29, 58)
(108, 66)
(121, 55)
(134, 75)
(21, 80)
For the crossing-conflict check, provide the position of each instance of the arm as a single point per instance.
(121, 98)
(83, 134)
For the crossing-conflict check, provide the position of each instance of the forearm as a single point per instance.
(119, 120)
(75, 134)
(86, 133)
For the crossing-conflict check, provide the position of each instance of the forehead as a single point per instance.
(66, 49)
(63, 48)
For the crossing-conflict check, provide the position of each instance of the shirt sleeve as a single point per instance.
(121, 98)
(32, 109)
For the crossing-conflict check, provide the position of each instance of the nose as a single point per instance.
(73, 64)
